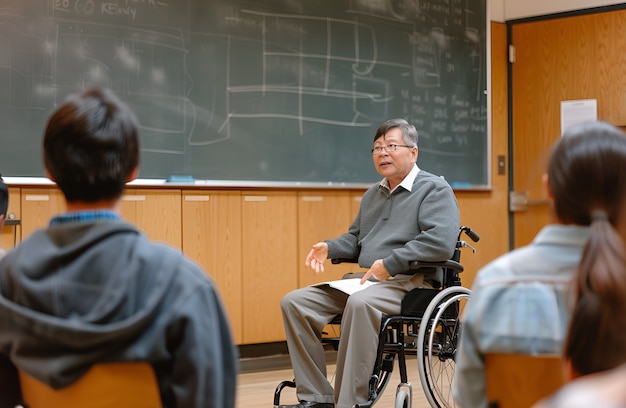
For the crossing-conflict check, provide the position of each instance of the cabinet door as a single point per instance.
(11, 234)
(322, 215)
(38, 206)
(270, 267)
(156, 212)
(212, 238)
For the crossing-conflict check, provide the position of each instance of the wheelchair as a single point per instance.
(428, 326)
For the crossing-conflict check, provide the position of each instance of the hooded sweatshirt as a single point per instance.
(80, 293)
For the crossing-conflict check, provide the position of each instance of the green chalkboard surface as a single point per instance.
(266, 90)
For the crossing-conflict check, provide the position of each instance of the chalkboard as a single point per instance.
(266, 90)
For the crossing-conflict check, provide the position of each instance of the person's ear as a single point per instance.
(545, 181)
(569, 372)
(48, 175)
(416, 154)
(133, 175)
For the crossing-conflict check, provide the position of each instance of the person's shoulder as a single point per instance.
(426, 178)
(501, 268)
(496, 267)
(424, 175)
(528, 264)
(371, 192)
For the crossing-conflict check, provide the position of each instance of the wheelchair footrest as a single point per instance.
(279, 388)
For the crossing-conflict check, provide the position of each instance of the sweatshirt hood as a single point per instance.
(87, 288)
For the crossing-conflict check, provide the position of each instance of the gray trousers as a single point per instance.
(305, 313)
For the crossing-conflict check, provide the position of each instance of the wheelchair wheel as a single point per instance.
(402, 400)
(437, 342)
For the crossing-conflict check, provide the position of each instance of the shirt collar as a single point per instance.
(85, 216)
(576, 235)
(406, 183)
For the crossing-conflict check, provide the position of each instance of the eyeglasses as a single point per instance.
(389, 148)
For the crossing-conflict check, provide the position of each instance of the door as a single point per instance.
(567, 58)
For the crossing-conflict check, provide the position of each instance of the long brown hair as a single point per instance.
(595, 155)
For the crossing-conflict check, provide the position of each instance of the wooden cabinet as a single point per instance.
(270, 261)
(212, 237)
(38, 205)
(157, 212)
(355, 203)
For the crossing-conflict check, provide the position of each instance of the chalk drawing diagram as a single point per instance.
(147, 69)
(447, 69)
(301, 75)
(430, 48)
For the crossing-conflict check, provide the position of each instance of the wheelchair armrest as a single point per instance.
(449, 264)
(413, 265)
(336, 261)
(350, 275)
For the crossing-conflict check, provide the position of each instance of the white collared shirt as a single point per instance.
(407, 182)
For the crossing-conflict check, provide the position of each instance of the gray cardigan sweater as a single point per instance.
(402, 226)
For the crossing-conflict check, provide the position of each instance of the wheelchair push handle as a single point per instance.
(470, 233)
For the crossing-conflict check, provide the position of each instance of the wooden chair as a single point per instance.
(119, 385)
(519, 380)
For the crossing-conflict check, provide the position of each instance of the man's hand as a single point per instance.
(377, 270)
(316, 257)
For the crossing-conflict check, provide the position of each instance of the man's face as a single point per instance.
(394, 165)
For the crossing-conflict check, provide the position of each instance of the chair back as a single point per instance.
(520, 380)
(119, 385)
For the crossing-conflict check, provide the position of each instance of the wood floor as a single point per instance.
(256, 388)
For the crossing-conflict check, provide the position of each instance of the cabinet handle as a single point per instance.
(255, 198)
(196, 198)
(134, 198)
(37, 197)
(313, 198)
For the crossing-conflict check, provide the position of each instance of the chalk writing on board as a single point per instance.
(256, 90)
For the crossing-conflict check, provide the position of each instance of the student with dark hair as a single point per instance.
(410, 215)
(91, 288)
(520, 301)
(4, 205)
(595, 346)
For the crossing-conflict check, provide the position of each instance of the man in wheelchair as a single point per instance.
(410, 215)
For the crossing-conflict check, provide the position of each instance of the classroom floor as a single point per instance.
(256, 387)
